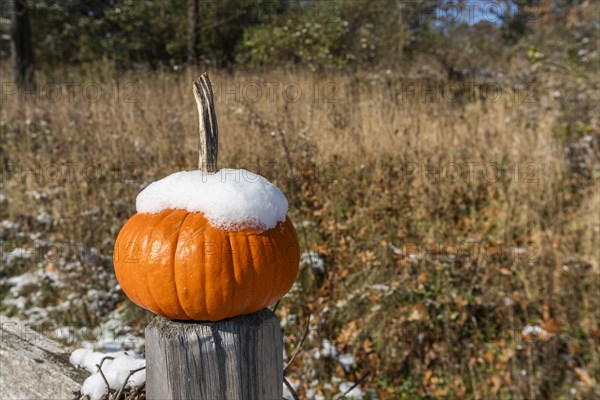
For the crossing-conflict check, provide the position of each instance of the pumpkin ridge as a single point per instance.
(175, 269)
(231, 278)
(274, 267)
(249, 302)
(133, 288)
(151, 287)
(141, 238)
(203, 258)
(206, 226)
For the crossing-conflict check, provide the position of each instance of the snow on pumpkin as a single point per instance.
(230, 199)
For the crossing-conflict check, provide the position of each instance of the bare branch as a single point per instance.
(131, 372)
(300, 344)
(276, 305)
(361, 380)
(103, 377)
(289, 386)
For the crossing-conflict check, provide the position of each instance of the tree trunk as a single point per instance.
(22, 46)
(192, 56)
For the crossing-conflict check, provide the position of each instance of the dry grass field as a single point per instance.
(450, 230)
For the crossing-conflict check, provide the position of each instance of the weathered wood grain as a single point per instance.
(239, 358)
(33, 366)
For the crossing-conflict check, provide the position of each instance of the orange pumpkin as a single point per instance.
(176, 264)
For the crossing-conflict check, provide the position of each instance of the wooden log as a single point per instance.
(32, 366)
(234, 359)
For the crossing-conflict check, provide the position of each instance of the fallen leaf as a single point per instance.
(51, 268)
(585, 377)
(367, 345)
(496, 381)
(489, 357)
(349, 333)
(418, 313)
(427, 377)
(552, 326)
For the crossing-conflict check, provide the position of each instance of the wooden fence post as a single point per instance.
(234, 359)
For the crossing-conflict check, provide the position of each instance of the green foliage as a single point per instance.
(345, 32)
(310, 43)
(223, 23)
(125, 32)
(146, 31)
(128, 33)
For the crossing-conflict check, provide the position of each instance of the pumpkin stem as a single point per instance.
(209, 132)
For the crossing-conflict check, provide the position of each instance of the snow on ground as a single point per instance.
(42, 280)
(17, 283)
(17, 253)
(8, 228)
(230, 198)
(532, 330)
(114, 335)
(355, 393)
(287, 394)
(328, 350)
(314, 260)
(347, 361)
(535, 332)
(116, 368)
